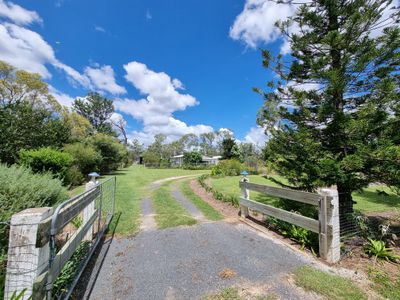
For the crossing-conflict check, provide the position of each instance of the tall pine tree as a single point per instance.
(333, 114)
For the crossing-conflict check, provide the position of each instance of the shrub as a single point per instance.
(229, 167)
(73, 176)
(192, 158)
(304, 237)
(47, 160)
(151, 159)
(234, 200)
(112, 152)
(21, 189)
(86, 158)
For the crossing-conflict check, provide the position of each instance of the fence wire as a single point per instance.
(356, 228)
(23, 268)
(70, 273)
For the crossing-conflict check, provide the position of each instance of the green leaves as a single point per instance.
(333, 112)
(378, 249)
(97, 109)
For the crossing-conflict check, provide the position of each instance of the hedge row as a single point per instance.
(233, 200)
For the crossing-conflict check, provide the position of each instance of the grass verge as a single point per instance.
(169, 213)
(331, 286)
(375, 198)
(208, 211)
(384, 285)
(132, 183)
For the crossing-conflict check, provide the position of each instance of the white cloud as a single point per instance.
(103, 78)
(256, 23)
(256, 136)
(157, 108)
(62, 98)
(26, 49)
(99, 28)
(18, 14)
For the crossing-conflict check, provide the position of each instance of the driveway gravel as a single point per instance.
(186, 262)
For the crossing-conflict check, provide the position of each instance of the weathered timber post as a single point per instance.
(25, 262)
(244, 211)
(89, 209)
(329, 226)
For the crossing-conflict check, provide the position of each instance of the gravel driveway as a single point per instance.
(189, 262)
(186, 263)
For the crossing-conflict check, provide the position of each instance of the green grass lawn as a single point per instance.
(169, 213)
(330, 286)
(367, 201)
(229, 185)
(132, 185)
(208, 211)
(371, 201)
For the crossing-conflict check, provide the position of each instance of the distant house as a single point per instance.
(177, 160)
(213, 160)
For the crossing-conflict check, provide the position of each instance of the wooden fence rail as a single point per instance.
(327, 225)
(33, 263)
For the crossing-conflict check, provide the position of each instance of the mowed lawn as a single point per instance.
(369, 200)
(132, 184)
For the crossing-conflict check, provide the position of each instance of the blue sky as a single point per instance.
(172, 67)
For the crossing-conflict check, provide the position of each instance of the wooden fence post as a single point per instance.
(329, 236)
(25, 262)
(244, 210)
(89, 209)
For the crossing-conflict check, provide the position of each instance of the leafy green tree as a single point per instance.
(334, 111)
(192, 158)
(23, 126)
(247, 151)
(136, 150)
(86, 158)
(21, 87)
(151, 159)
(80, 127)
(98, 110)
(157, 147)
(190, 141)
(207, 143)
(229, 149)
(29, 115)
(113, 153)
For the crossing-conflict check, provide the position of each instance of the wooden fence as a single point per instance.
(327, 225)
(33, 262)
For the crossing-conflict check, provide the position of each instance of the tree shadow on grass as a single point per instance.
(116, 173)
(88, 279)
(385, 200)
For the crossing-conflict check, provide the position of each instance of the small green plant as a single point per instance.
(70, 270)
(19, 296)
(378, 249)
(77, 221)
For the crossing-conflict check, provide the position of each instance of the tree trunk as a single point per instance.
(347, 224)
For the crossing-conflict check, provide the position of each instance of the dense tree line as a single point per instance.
(37, 132)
